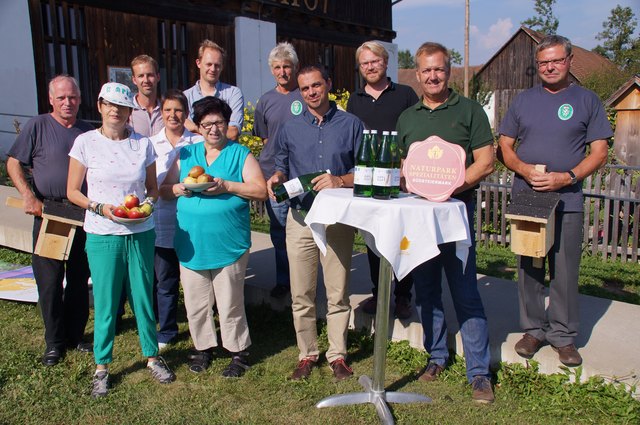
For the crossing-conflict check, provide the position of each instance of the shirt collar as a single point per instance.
(453, 99)
(137, 105)
(391, 86)
(186, 137)
(199, 89)
(325, 118)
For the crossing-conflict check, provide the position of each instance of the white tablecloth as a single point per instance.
(422, 225)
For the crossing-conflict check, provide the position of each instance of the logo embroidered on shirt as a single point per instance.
(296, 107)
(565, 112)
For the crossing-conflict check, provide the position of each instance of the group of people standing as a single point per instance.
(147, 145)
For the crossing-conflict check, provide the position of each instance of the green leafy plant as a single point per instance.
(406, 358)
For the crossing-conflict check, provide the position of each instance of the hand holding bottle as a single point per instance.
(277, 179)
(327, 181)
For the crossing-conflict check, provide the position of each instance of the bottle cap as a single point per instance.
(365, 131)
(385, 133)
(394, 133)
(374, 131)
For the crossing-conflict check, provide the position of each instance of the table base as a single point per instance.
(378, 398)
(374, 390)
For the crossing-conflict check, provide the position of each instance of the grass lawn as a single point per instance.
(613, 280)
(33, 394)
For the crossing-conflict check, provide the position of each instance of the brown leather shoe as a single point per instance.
(370, 305)
(341, 370)
(402, 309)
(303, 369)
(568, 355)
(431, 372)
(528, 346)
(482, 391)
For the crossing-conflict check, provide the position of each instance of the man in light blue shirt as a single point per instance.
(211, 63)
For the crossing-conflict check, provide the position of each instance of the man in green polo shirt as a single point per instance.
(456, 119)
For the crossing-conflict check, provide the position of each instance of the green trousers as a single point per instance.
(117, 263)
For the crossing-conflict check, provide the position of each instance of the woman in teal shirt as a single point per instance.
(213, 235)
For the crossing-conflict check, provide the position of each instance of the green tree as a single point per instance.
(405, 60)
(456, 57)
(617, 39)
(544, 21)
(605, 83)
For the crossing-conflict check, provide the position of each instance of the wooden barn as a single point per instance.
(626, 102)
(512, 69)
(95, 40)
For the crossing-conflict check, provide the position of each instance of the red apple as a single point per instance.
(135, 213)
(121, 212)
(131, 201)
(195, 171)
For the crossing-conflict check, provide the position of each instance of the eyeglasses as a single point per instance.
(554, 62)
(375, 63)
(106, 104)
(209, 125)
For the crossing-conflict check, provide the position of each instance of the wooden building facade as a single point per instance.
(626, 102)
(95, 39)
(512, 69)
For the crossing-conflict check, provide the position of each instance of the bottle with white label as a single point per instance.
(383, 168)
(363, 173)
(295, 187)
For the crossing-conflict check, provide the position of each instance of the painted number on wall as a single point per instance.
(310, 5)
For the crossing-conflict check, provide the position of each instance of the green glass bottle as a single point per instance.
(295, 187)
(395, 157)
(375, 143)
(363, 173)
(383, 168)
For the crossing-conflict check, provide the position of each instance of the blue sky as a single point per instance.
(493, 22)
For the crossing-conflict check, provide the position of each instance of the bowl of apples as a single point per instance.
(197, 180)
(131, 211)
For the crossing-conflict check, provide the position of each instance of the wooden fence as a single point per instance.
(612, 204)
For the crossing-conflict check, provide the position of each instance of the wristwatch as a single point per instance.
(574, 179)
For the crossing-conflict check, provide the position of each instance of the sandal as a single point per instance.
(199, 361)
(236, 368)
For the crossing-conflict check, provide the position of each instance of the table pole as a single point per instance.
(374, 392)
(382, 324)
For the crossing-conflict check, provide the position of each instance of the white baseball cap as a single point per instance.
(117, 93)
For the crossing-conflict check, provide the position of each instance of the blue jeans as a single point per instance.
(278, 231)
(427, 278)
(166, 284)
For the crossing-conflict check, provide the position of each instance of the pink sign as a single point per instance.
(434, 168)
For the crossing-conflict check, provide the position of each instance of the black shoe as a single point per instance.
(82, 347)
(52, 357)
(199, 361)
(370, 305)
(402, 309)
(280, 291)
(238, 366)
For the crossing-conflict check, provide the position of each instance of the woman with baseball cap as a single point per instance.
(116, 162)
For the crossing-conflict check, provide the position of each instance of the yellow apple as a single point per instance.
(204, 178)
